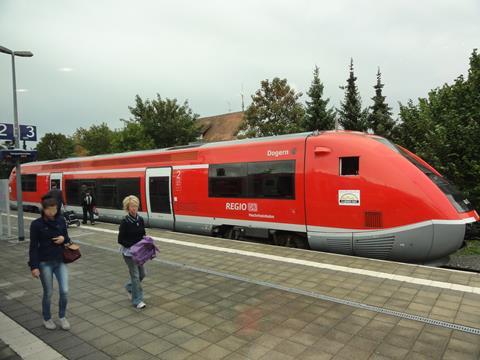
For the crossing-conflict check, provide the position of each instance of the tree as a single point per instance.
(444, 129)
(55, 146)
(132, 137)
(274, 110)
(318, 117)
(97, 139)
(166, 122)
(351, 116)
(380, 117)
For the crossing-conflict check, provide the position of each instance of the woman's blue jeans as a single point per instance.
(134, 286)
(60, 270)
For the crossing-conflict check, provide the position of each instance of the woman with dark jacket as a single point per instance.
(48, 234)
(132, 230)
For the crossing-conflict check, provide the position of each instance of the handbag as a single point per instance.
(71, 253)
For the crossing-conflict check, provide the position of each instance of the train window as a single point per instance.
(75, 188)
(160, 194)
(349, 165)
(127, 187)
(227, 180)
(55, 182)
(29, 182)
(106, 194)
(271, 179)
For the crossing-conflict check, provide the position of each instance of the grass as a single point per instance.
(472, 248)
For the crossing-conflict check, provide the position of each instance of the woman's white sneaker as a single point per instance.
(49, 324)
(64, 324)
(141, 305)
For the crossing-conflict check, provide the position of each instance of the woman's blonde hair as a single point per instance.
(130, 199)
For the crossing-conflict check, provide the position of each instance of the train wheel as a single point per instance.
(232, 233)
(291, 240)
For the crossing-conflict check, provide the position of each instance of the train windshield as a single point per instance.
(455, 197)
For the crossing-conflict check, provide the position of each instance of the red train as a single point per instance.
(337, 191)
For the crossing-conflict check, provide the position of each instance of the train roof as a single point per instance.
(192, 146)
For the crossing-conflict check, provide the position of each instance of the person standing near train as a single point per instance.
(132, 230)
(88, 204)
(48, 235)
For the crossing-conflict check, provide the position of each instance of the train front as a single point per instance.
(449, 233)
(368, 197)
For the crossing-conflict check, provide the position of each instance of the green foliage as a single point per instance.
(55, 146)
(274, 110)
(166, 122)
(317, 116)
(351, 115)
(472, 248)
(444, 129)
(131, 138)
(97, 139)
(380, 118)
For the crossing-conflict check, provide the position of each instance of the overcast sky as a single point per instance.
(92, 57)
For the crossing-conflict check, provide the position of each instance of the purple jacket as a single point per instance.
(144, 250)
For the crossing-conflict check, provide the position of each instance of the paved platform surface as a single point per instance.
(219, 299)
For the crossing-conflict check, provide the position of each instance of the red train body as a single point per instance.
(337, 191)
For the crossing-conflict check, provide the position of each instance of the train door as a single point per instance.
(159, 197)
(56, 180)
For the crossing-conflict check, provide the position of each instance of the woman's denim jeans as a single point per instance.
(47, 270)
(134, 286)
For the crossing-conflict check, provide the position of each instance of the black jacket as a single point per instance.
(93, 203)
(131, 231)
(42, 247)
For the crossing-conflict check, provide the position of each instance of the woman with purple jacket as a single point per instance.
(132, 230)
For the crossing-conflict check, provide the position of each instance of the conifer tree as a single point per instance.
(351, 116)
(318, 117)
(380, 118)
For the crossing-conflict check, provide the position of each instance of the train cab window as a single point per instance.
(29, 183)
(349, 165)
(227, 180)
(272, 179)
(160, 194)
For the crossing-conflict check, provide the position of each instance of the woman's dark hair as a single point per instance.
(48, 201)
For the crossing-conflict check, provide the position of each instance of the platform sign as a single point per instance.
(28, 132)
(6, 132)
(12, 155)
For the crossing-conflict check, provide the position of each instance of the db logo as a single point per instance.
(252, 207)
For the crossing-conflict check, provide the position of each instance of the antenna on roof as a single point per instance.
(229, 107)
(243, 103)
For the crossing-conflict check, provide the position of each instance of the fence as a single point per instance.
(5, 219)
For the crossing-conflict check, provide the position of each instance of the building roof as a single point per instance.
(221, 127)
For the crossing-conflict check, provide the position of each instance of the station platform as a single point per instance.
(210, 298)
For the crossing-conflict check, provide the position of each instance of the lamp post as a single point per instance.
(21, 232)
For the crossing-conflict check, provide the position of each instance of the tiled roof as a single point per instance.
(221, 127)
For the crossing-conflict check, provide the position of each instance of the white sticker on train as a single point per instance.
(349, 197)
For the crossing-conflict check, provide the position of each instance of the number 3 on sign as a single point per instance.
(28, 132)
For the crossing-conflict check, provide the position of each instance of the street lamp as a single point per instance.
(21, 232)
